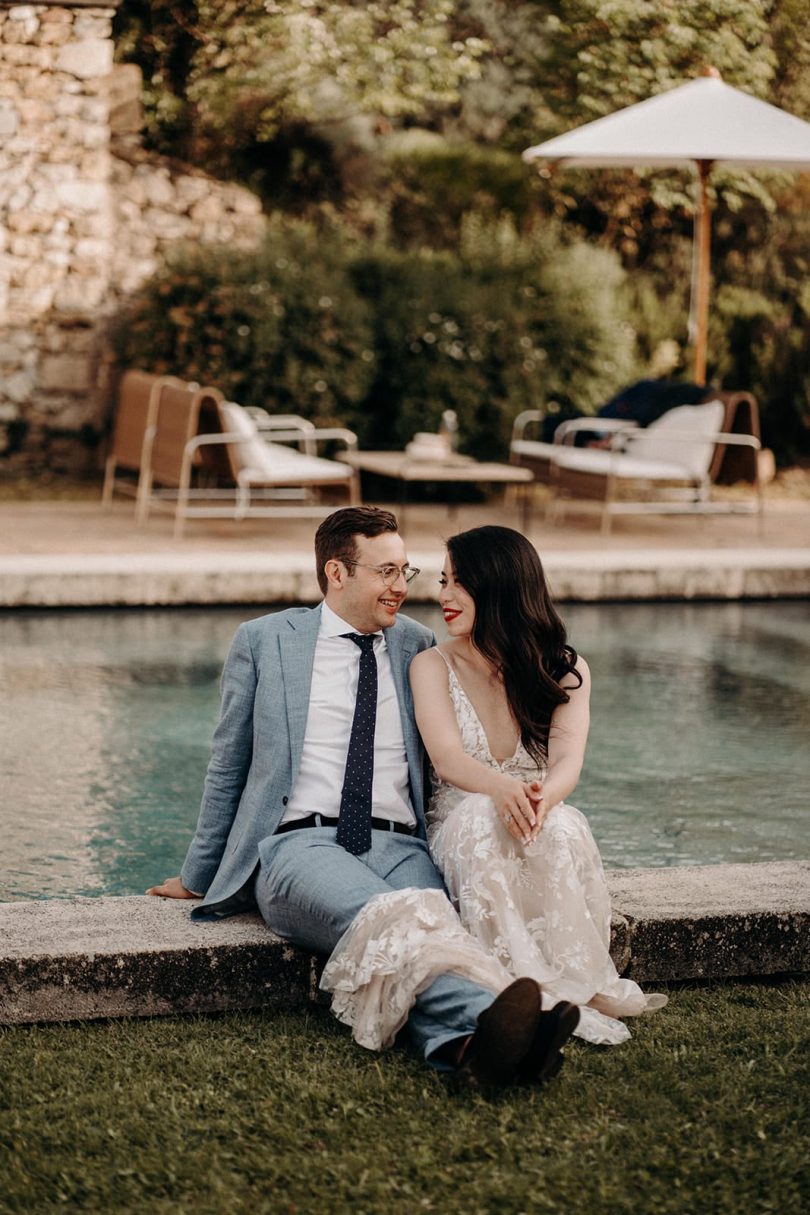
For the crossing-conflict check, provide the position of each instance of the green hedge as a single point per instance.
(282, 328)
(320, 324)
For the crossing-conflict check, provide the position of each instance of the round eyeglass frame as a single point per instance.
(408, 572)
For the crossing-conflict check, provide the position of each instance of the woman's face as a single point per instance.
(458, 607)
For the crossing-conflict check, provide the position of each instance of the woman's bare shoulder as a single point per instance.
(569, 682)
(428, 660)
(435, 662)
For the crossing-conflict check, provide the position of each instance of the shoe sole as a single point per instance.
(478, 1063)
(566, 1020)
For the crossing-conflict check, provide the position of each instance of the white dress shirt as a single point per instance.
(332, 698)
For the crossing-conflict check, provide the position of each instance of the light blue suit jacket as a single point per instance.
(257, 745)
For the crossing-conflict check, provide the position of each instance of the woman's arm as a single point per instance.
(566, 744)
(438, 727)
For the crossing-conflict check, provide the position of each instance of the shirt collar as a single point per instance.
(333, 625)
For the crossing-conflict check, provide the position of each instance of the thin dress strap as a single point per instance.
(446, 659)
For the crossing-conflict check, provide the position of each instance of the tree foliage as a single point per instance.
(407, 117)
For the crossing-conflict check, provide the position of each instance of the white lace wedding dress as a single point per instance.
(541, 910)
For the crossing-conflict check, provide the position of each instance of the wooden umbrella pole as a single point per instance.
(703, 240)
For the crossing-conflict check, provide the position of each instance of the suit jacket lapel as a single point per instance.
(297, 654)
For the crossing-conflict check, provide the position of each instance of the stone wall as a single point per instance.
(85, 216)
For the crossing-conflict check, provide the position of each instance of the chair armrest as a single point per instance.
(278, 421)
(616, 426)
(316, 435)
(720, 436)
(523, 420)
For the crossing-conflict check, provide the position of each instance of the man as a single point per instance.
(313, 801)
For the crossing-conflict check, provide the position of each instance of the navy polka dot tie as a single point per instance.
(354, 824)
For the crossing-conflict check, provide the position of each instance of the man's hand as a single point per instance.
(173, 888)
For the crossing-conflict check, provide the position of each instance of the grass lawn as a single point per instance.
(705, 1110)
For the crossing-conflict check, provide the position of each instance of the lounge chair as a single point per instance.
(133, 434)
(183, 411)
(674, 462)
(256, 475)
(741, 416)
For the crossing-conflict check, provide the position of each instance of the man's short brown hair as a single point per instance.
(335, 538)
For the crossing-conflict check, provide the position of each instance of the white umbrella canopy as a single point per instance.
(699, 124)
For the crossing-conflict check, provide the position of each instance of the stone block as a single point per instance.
(84, 196)
(94, 164)
(86, 958)
(90, 248)
(67, 959)
(35, 274)
(26, 246)
(94, 22)
(66, 372)
(167, 226)
(98, 225)
(93, 137)
(53, 35)
(9, 119)
(190, 189)
(124, 96)
(79, 338)
(87, 59)
(61, 258)
(208, 210)
(23, 24)
(69, 106)
(40, 300)
(80, 293)
(715, 921)
(57, 175)
(242, 201)
(25, 55)
(45, 201)
(18, 387)
(70, 416)
(158, 188)
(18, 199)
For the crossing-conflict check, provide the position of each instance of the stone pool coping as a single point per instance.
(87, 958)
(153, 579)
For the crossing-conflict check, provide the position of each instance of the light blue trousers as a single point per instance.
(309, 889)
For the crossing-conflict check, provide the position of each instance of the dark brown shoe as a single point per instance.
(504, 1036)
(543, 1059)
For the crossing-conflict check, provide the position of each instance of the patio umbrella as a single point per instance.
(701, 124)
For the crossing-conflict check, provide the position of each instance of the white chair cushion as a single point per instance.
(533, 448)
(272, 463)
(600, 463)
(692, 455)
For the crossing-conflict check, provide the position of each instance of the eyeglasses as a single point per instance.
(388, 573)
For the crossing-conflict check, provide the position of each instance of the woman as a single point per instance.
(502, 707)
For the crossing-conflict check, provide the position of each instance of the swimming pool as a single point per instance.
(698, 750)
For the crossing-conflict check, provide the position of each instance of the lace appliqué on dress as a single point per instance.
(542, 910)
(391, 952)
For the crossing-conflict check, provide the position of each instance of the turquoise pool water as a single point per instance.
(698, 750)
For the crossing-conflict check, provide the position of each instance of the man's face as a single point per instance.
(358, 593)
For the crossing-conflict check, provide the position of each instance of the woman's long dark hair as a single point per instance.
(516, 625)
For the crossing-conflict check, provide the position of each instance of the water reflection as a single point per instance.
(698, 749)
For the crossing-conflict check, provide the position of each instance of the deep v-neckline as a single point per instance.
(500, 762)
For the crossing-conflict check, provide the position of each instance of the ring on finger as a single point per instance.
(507, 818)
